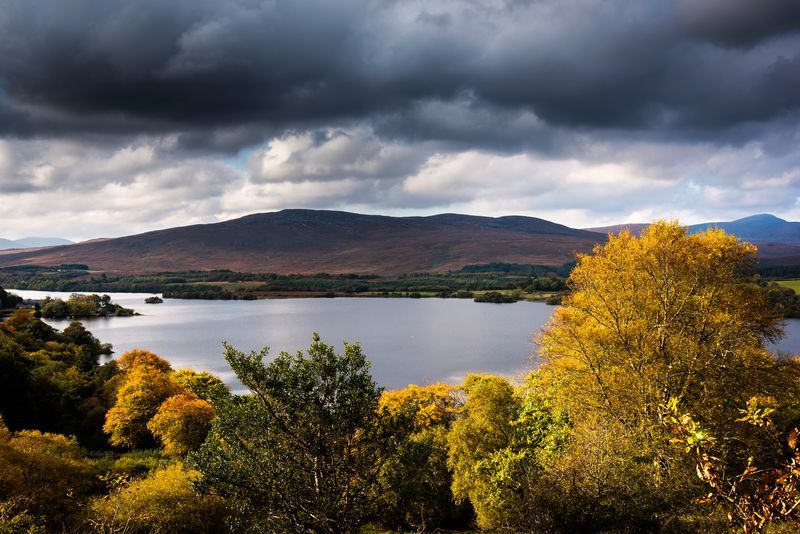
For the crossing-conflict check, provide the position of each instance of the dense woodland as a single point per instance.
(656, 408)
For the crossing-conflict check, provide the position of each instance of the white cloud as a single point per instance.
(79, 189)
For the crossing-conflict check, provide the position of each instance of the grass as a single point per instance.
(794, 284)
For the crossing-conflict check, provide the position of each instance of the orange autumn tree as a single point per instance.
(144, 384)
(155, 403)
(182, 423)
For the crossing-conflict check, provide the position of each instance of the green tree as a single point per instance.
(8, 300)
(416, 481)
(500, 447)
(303, 451)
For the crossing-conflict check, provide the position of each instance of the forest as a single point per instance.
(656, 407)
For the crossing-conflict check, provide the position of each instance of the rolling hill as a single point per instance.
(312, 241)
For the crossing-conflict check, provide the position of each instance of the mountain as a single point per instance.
(778, 240)
(312, 241)
(31, 242)
(762, 228)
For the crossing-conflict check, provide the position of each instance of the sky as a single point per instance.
(118, 117)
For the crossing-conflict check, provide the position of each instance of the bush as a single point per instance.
(164, 502)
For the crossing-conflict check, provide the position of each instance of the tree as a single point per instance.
(8, 300)
(142, 358)
(303, 451)
(203, 384)
(416, 481)
(89, 347)
(182, 423)
(498, 448)
(145, 384)
(46, 473)
(665, 316)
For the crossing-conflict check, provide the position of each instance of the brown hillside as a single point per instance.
(309, 241)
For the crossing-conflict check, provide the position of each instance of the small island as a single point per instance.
(497, 298)
(83, 307)
(155, 299)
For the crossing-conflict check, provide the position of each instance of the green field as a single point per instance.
(794, 284)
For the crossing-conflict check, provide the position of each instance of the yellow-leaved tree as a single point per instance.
(182, 423)
(155, 403)
(653, 322)
(665, 315)
(145, 384)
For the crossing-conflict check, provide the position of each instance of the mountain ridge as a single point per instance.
(311, 241)
(306, 241)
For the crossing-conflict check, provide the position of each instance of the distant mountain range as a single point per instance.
(316, 241)
(778, 240)
(762, 228)
(29, 242)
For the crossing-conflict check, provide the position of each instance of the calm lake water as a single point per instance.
(416, 341)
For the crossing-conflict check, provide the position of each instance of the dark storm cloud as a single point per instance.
(225, 75)
(738, 22)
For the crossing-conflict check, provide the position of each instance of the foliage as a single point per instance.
(227, 285)
(145, 385)
(547, 283)
(45, 474)
(499, 447)
(768, 488)
(163, 502)
(8, 300)
(495, 297)
(667, 315)
(203, 384)
(155, 299)
(303, 452)
(142, 358)
(182, 423)
(83, 306)
(415, 482)
(51, 380)
(429, 406)
(16, 518)
(786, 301)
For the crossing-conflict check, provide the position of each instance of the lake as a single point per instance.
(416, 341)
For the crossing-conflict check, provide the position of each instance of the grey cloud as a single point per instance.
(195, 67)
(738, 22)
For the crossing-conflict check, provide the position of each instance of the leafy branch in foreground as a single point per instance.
(768, 488)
